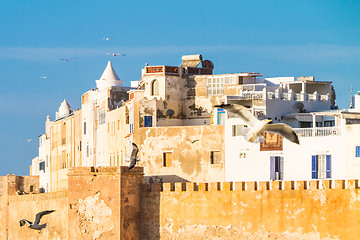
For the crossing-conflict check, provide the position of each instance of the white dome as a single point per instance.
(109, 78)
(64, 110)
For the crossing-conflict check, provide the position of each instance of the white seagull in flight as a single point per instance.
(254, 134)
(67, 59)
(106, 38)
(116, 54)
(133, 157)
(43, 77)
(35, 225)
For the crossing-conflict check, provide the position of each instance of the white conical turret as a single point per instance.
(108, 79)
(64, 110)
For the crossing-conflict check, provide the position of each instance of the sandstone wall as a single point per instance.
(15, 207)
(263, 210)
(99, 207)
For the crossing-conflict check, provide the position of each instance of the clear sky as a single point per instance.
(277, 38)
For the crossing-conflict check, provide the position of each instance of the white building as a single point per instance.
(329, 143)
(108, 95)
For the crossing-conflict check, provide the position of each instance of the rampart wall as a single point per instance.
(252, 210)
(15, 207)
(113, 203)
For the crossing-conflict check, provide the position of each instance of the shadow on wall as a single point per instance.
(164, 179)
(150, 212)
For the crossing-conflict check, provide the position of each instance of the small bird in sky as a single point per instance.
(133, 157)
(67, 59)
(28, 140)
(35, 225)
(257, 127)
(106, 38)
(116, 54)
(43, 77)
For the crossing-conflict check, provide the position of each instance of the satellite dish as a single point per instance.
(170, 112)
(207, 64)
(299, 106)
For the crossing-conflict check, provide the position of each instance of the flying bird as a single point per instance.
(28, 140)
(43, 77)
(133, 157)
(106, 38)
(35, 225)
(192, 141)
(257, 127)
(67, 59)
(116, 54)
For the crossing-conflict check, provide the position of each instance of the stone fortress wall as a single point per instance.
(114, 203)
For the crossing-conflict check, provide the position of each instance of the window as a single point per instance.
(276, 168)
(131, 127)
(239, 130)
(42, 166)
(155, 88)
(102, 116)
(148, 121)
(167, 159)
(215, 157)
(357, 151)
(87, 151)
(84, 128)
(329, 123)
(321, 166)
(305, 124)
(215, 84)
(220, 116)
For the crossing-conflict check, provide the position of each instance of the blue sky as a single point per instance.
(277, 38)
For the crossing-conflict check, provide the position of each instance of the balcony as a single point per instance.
(318, 131)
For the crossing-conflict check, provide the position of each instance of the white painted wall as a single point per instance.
(297, 158)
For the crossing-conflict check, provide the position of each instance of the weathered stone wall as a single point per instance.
(94, 202)
(15, 207)
(290, 210)
(190, 147)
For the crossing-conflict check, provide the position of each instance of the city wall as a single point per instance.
(15, 207)
(113, 203)
(252, 210)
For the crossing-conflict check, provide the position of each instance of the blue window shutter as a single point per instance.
(272, 167)
(357, 150)
(314, 167)
(148, 121)
(328, 166)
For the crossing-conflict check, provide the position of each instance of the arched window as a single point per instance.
(155, 88)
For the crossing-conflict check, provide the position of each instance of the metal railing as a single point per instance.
(318, 131)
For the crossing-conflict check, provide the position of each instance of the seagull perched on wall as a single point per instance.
(35, 225)
(257, 127)
(133, 157)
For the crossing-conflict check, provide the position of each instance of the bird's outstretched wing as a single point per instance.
(40, 214)
(23, 221)
(244, 113)
(283, 129)
(133, 156)
(134, 152)
(132, 164)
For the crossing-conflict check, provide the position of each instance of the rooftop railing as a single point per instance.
(318, 131)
